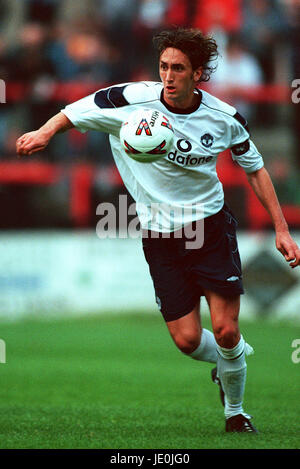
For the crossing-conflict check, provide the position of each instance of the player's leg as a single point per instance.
(178, 297)
(224, 313)
(231, 363)
(191, 339)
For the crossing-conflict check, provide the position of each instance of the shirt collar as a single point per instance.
(188, 110)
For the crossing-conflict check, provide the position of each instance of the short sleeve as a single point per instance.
(102, 111)
(243, 150)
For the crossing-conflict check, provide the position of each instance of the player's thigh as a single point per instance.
(217, 265)
(224, 312)
(176, 291)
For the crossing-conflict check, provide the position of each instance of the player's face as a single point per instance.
(178, 77)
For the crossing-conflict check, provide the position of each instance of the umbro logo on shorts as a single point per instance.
(232, 279)
(158, 302)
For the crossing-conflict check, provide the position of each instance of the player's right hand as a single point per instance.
(32, 142)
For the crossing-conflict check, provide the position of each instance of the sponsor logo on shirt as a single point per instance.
(184, 146)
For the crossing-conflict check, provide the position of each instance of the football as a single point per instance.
(147, 135)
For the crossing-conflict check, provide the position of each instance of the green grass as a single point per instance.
(119, 382)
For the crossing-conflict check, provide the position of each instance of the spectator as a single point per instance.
(27, 63)
(264, 28)
(82, 52)
(207, 15)
(150, 18)
(181, 13)
(42, 11)
(212, 15)
(28, 60)
(82, 56)
(118, 17)
(4, 60)
(236, 69)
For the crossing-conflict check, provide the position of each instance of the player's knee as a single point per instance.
(227, 335)
(187, 341)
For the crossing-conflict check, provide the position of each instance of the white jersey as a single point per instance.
(183, 186)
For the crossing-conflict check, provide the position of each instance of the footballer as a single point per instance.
(204, 126)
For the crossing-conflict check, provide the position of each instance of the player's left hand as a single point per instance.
(288, 248)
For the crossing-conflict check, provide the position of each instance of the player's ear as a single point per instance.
(197, 74)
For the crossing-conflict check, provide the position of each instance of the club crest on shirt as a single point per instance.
(207, 140)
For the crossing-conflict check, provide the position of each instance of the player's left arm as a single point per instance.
(263, 187)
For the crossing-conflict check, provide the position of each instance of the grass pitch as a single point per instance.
(119, 382)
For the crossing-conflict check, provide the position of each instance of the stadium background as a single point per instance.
(53, 265)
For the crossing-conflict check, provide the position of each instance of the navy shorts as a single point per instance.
(180, 275)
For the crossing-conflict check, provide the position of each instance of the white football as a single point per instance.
(147, 135)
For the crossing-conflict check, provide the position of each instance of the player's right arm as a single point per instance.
(37, 140)
(102, 111)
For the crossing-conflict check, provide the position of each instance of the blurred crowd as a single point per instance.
(43, 42)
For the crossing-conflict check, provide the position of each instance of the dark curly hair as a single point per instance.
(200, 49)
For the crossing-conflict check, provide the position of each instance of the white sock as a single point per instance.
(232, 371)
(207, 350)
